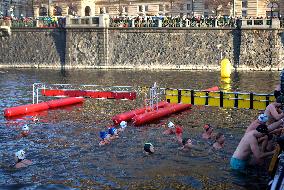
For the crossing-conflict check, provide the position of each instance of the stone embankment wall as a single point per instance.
(153, 48)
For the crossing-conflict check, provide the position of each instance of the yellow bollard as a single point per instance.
(226, 68)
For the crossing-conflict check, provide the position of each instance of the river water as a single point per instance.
(64, 148)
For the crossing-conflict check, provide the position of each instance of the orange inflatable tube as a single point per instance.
(29, 108)
(157, 114)
(126, 116)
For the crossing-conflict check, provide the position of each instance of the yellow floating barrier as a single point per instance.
(220, 98)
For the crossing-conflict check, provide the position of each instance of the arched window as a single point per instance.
(57, 11)
(72, 10)
(42, 11)
(87, 11)
(272, 9)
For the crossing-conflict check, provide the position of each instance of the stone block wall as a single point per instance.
(33, 48)
(150, 48)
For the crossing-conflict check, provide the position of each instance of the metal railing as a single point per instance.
(143, 22)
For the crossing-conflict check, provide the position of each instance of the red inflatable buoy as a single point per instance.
(126, 116)
(154, 115)
(29, 108)
(64, 102)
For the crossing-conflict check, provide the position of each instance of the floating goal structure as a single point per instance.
(86, 91)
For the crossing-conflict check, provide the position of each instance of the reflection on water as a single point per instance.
(64, 143)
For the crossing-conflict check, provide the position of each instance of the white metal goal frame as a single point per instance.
(37, 87)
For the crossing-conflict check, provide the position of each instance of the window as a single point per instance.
(181, 7)
(188, 7)
(161, 7)
(140, 8)
(167, 7)
(244, 13)
(102, 10)
(206, 5)
(244, 4)
(126, 9)
(146, 8)
(206, 14)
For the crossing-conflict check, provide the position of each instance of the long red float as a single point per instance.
(154, 115)
(29, 108)
(20, 110)
(127, 116)
(64, 102)
(89, 93)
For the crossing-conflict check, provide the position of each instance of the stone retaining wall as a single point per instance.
(147, 48)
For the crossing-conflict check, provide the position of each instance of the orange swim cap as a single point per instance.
(206, 127)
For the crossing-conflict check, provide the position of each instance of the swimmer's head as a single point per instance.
(103, 135)
(112, 131)
(171, 125)
(220, 138)
(186, 141)
(262, 128)
(263, 118)
(178, 130)
(20, 155)
(25, 128)
(206, 127)
(123, 124)
(280, 99)
(149, 148)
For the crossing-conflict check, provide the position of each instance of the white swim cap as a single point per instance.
(123, 124)
(263, 118)
(171, 125)
(25, 127)
(20, 154)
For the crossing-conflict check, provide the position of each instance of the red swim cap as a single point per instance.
(178, 130)
(206, 127)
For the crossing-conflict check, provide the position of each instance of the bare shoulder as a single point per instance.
(23, 164)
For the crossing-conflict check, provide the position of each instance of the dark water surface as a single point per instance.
(64, 144)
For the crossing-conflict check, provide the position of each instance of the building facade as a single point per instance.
(120, 7)
(258, 8)
(16, 8)
(63, 7)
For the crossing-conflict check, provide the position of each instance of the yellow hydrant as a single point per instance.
(226, 68)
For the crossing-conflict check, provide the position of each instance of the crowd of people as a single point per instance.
(259, 140)
(30, 22)
(173, 21)
(138, 21)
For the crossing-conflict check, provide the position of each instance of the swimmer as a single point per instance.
(25, 131)
(105, 138)
(172, 129)
(277, 91)
(208, 131)
(149, 148)
(186, 144)
(35, 119)
(122, 125)
(274, 110)
(21, 160)
(113, 133)
(262, 119)
(219, 141)
(248, 147)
